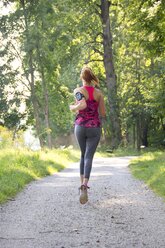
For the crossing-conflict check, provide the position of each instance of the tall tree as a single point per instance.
(111, 78)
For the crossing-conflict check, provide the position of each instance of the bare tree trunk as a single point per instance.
(145, 135)
(139, 112)
(46, 110)
(111, 78)
(145, 122)
(134, 135)
(45, 97)
(138, 132)
(32, 84)
(35, 104)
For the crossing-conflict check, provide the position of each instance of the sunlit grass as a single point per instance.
(120, 152)
(151, 169)
(19, 167)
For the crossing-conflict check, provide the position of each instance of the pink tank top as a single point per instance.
(89, 117)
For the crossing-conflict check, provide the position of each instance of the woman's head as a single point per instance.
(88, 76)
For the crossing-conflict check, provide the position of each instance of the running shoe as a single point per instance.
(83, 194)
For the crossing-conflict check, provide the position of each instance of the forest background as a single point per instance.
(44, 45)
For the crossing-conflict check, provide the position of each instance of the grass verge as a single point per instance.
(120, 152)
(151, 169)
(19, 167)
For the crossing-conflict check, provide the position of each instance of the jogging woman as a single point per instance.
(89, 107)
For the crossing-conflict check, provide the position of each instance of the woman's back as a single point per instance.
(90, 92)
(87, 90)
(89, 117)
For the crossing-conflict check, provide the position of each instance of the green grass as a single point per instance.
(19, 167)
(120, 152)
(151, 169)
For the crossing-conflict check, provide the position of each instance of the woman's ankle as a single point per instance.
(85, 181)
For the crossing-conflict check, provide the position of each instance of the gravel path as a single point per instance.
(121, 213)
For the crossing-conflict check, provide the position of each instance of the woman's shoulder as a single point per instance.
(98, 91)
(98, 94)
(78, 89)
(81, 90)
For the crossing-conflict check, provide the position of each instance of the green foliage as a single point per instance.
(9, 138)
(59, 37)
(11, 85)
(19, 167)
(5, 137)
(140, 70)
(151, 169)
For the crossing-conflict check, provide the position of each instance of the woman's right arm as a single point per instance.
(79, 106)
(80, 101)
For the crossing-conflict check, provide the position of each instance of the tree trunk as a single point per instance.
(134, 135)
(138, 132)
(35, 104)
(145, 126)
(145, 135)
(46, 110)
(111, 78)
(138, 97)
(32, 84)
(44, 92)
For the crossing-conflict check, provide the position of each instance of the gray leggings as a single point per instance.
(88, 139)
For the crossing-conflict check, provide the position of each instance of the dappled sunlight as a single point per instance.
(24, 171)
(52, 184)
(76, 174)
(69, 174)
(146, 157)
(114, 201)
(103, 173)
(120, 200)
(115, 161)
(157, 176)
(51, 170)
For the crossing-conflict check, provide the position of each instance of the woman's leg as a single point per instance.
(93, 138)
(81, 139)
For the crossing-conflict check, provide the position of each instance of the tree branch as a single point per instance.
(27, 86)
(97, 12)
(98, 5)
(98, 51)
(93, 60)
(19, 56)
(91, 43)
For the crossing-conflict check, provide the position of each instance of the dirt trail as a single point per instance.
(121, 213)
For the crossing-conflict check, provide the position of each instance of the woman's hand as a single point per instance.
(73, 108)
(79, 106)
